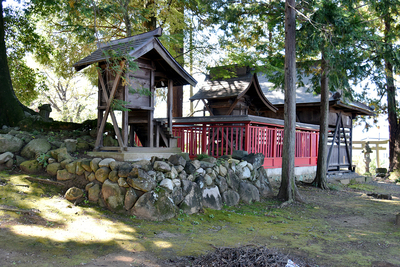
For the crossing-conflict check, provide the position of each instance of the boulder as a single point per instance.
(243, 173)
(122, 182)
(177, 160)
(71, 167)
(177, 183)
(130, 198)
(9, 143)
(113, 195)
(223, 171)
(221, 183)
(161, 166)
(141, 184)
(91, 177)
(102, 174)
(177, 195)
(124, 170)
(179, 168)
(212, 198)
(94, 164)
(31, 166)
(196, 163)
(257, 160)
(4, 157)
(230, 198)
(63, 156)
(172, 174)
(139, 173)
(248, 193)
(35, 148)
(79, 170)
(82, 146)
(200, 181)
(85, 163)
(190, 168)
(9, 164)
(193, 200)
(208, 180)
(113, 176)
(70, 145)
(155, 206)
(73, 194)
(232, 180)
(167, 184)
(205, 164)
(19, 160)
(239, 154)
(64, 175)
(53, 168)
(105, 162)
(143, 164)
(94, 193)
(114, 165)
(210, 160)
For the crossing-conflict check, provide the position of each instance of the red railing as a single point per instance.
(221, 139)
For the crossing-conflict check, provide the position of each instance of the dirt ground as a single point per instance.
(339, 227)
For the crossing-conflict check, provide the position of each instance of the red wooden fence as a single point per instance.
(222, 139)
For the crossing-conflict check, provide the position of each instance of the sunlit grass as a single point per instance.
(77, 234)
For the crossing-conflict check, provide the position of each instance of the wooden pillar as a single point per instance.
(150, 122)
(125, 126)
(177, 107)
(170, 98)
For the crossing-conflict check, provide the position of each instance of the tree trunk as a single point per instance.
(394, 148)
(127, 21)
(322, 161)
(288, 190)
(11, 111)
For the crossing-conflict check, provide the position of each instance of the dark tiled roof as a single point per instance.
(101, 54)
(223, 88)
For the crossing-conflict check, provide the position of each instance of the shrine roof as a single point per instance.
(137, 46)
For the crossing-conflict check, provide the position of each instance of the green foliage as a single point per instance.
(202, 156)
(42, 159)
(21, 38)
(118, 104)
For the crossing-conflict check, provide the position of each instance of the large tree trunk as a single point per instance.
(288, 190)
(11, 111)
(320, 179)
(394, 131)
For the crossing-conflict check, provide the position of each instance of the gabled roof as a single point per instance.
(306, 97)
(225, 88)
(138, 46)
(235, 87)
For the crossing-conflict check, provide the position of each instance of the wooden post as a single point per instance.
(170, 98)
(108, 108)
(150, 139)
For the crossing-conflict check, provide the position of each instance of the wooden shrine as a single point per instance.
(155, 68)
(248, 93)
(233, 96)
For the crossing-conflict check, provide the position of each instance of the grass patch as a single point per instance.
(334, 227)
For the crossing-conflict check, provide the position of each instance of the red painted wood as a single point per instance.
(221, 139)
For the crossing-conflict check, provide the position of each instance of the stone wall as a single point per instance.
(155, 189)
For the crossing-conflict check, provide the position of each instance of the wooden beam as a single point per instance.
(207, 107)
(170, 99)
(333, 140)
(232, 107)
(115, 123)
(103, 121)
